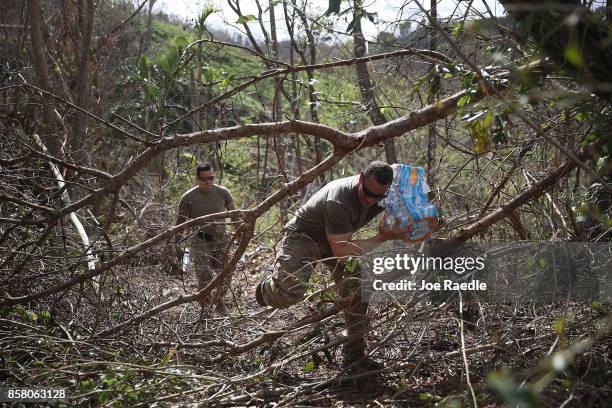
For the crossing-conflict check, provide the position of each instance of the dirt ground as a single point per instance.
(186, 358)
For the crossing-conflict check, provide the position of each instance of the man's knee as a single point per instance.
(294, 264)
(282, 294)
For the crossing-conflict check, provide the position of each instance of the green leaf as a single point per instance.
(559, 325)
(206, 12)
(168, 357)
(479, 127)
(515, 396)
(463, 101)
(245, 19)
(453, 403)
(351, 26)
(468, 79)
(309, 366)
(573, 54)
(386, 111)
(351, 265)
(457, 29)
(487, 121)
(371, 16)
(425, 396)
(334, 7)
(434, 85)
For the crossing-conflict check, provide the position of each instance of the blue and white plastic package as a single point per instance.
(407, 202)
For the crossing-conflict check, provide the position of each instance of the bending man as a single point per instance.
(322, 229)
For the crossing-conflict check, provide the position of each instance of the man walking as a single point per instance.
(322, 229)
(208, 244)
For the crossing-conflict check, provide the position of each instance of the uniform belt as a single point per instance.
(205, 237)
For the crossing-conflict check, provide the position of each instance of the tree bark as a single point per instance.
(279, 140)
(364, 82)
(79, 134)
(50, 139)
(432, 135)
(147, 41)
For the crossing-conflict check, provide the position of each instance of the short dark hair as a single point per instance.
(203, 167)
(381, 170)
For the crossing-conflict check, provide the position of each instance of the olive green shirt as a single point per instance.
(335, 209)
(196, 203)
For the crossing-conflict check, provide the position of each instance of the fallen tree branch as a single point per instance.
(91, 260)
(536, 190)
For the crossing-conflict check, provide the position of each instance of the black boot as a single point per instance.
(360, 363)
(259, 295)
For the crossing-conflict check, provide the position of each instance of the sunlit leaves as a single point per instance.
(573, 54)
(486, 127)
(479, 126)
(457, 28)
(509, 390)
(309, 366)
(245, 19)
(206, 12)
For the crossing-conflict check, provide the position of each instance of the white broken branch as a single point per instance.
(59, 178)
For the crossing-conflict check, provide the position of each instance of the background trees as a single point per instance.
(126, 101)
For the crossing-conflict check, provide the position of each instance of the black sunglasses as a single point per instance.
(370, 193)
(204, 178)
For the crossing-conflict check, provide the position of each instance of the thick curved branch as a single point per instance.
(343, 142)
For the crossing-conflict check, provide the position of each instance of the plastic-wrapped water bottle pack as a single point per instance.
(407, 202)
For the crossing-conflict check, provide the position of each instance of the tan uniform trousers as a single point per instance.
(205, 260)
(287, 285)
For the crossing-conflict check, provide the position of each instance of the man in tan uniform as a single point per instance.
(323, 229)
(208, 244)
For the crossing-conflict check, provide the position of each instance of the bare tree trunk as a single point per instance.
(40, 64)
(79, 133)
(195, 91)
(365, 85)
(278, 111)
(314, 116)
(295, 107)
(147, 41)
(432, 135)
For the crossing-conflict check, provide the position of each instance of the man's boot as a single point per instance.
(358, 362)
(221, 309)
(259, 295)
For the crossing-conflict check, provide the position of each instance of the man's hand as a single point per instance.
(393, 233)
(396, 232)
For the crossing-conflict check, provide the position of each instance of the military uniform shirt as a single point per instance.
(196, 203)
(335, 209)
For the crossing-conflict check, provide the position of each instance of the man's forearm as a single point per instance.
(357, 247)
